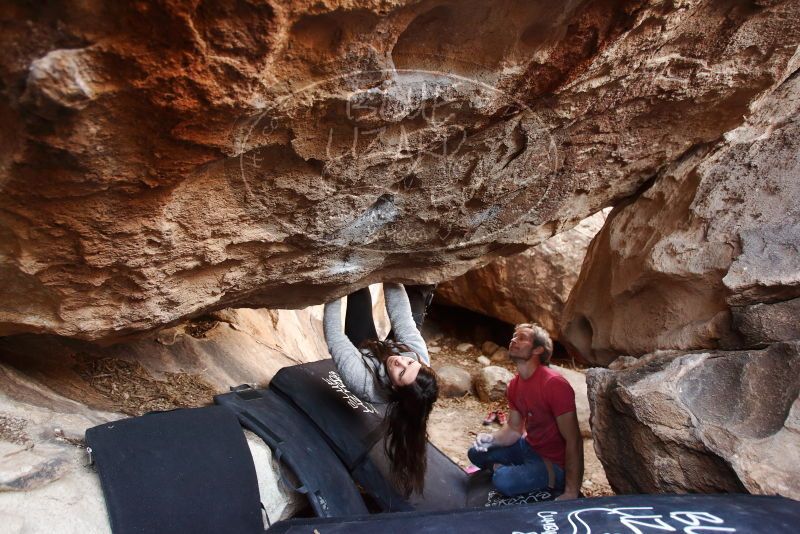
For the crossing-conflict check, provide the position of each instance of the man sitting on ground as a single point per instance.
(543, 402)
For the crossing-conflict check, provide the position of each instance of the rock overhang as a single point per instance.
(282, 154)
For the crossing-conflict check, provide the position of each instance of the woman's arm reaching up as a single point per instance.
(405, 330)
(346, 356)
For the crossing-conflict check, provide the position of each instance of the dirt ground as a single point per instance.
(455, 422)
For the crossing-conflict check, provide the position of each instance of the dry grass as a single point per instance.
(134, 391)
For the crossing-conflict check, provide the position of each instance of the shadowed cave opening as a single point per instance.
(476, 328)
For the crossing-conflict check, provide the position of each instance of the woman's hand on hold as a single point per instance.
(483, 441)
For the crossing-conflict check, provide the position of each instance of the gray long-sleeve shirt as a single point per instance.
(352, 365)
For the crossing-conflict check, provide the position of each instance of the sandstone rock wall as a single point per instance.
(52, 389)
(707, 256)
(165, 159)
(531, 286)
(704, 262)
(719, 421)
(197, 358)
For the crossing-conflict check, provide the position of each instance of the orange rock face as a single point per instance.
(705, 263)
(705, 258)
(54, 388)
(161, 160)
(532, 286)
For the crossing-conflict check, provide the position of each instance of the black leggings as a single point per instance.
(359, 325)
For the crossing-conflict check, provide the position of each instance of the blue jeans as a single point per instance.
(522, 470)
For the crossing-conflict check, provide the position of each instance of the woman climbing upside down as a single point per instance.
(395, 371)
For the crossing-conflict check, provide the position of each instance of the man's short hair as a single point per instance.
(540, 339)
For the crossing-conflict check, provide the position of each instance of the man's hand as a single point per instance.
(483, 441)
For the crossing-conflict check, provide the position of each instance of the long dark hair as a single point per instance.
(406, 420)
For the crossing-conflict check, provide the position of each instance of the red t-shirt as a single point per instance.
(540, 399)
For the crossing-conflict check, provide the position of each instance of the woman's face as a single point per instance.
(402, 369)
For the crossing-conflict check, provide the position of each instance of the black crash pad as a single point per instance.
(632, 514)
(350, 424)
(179, 471)
(353, 430)
(297, 443)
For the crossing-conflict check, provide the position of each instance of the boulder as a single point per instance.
(622, 362)
(484, 361)
(279, 502)
(698, 274)
(491, 383)
(188, 362)
(500, 355)
(453, 381)
(54, 388)
(577, 380)
(716, 421)
(764, 323)
(531, 286)
(489, 347)
(710, 248)
(465, 347)
(163, 161)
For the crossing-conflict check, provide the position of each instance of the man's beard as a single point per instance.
(521, 358)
